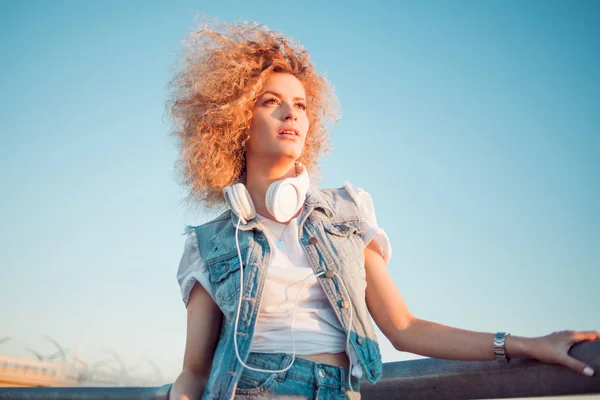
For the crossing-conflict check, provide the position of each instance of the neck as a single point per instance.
(259, 176)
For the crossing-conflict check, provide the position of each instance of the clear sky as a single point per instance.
(474, 126)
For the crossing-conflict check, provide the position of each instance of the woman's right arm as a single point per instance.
(203, 329)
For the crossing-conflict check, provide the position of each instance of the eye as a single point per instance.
(301, 106)
(271, 101)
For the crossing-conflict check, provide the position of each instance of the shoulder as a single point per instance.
(364, 202)
(190, 255)
(222, 219)
(210, 228)
(347, 200)
(358, 195)
(370, 229)
(346, 193)
(202, 236)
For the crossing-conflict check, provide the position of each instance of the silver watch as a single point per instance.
(500, 347)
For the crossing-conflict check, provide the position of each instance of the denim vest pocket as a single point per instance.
(343, 228)
(224, 274)
(344, 235)
(346, 246)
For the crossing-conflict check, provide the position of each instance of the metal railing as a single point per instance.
(429, 379)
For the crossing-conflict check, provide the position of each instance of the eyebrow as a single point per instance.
(279, 95)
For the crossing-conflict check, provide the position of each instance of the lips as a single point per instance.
(288, 130)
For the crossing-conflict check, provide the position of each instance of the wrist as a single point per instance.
(517, 347)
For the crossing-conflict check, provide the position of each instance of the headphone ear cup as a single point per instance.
(284, 198)
(271, 197)
(278, 199)
(239, 201)
(244, 201)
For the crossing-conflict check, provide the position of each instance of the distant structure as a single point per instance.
(21, 372)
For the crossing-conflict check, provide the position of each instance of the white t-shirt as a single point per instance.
(316, 328)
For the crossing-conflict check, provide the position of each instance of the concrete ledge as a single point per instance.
(86, 393)
(427, 379)
(434, 379)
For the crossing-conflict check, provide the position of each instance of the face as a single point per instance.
(279, 121)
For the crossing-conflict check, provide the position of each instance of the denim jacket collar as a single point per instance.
(314, 200)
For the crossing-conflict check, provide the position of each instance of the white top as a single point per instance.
(316, 328)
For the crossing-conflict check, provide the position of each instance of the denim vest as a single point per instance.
(329, 232)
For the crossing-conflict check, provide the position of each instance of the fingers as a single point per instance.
(586, 335)
(577, 365)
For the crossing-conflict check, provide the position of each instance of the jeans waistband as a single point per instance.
(310, 372)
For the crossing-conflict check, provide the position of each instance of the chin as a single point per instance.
(289, 152)
(294, 155)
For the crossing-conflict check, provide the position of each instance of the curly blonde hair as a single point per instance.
(213, 94)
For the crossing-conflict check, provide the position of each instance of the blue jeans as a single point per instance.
(304, 380)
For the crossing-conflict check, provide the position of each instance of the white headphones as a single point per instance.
(283, 199)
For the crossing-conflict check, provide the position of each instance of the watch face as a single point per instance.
(499, 347)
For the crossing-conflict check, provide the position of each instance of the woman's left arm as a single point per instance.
(414, 335)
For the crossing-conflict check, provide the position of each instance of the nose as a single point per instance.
(289, 112)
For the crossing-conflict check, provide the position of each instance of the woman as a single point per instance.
(281, 287)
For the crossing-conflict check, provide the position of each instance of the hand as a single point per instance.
(554, 349)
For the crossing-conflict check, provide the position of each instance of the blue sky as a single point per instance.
(474, 126)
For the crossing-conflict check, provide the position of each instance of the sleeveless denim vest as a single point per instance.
(329, 233)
